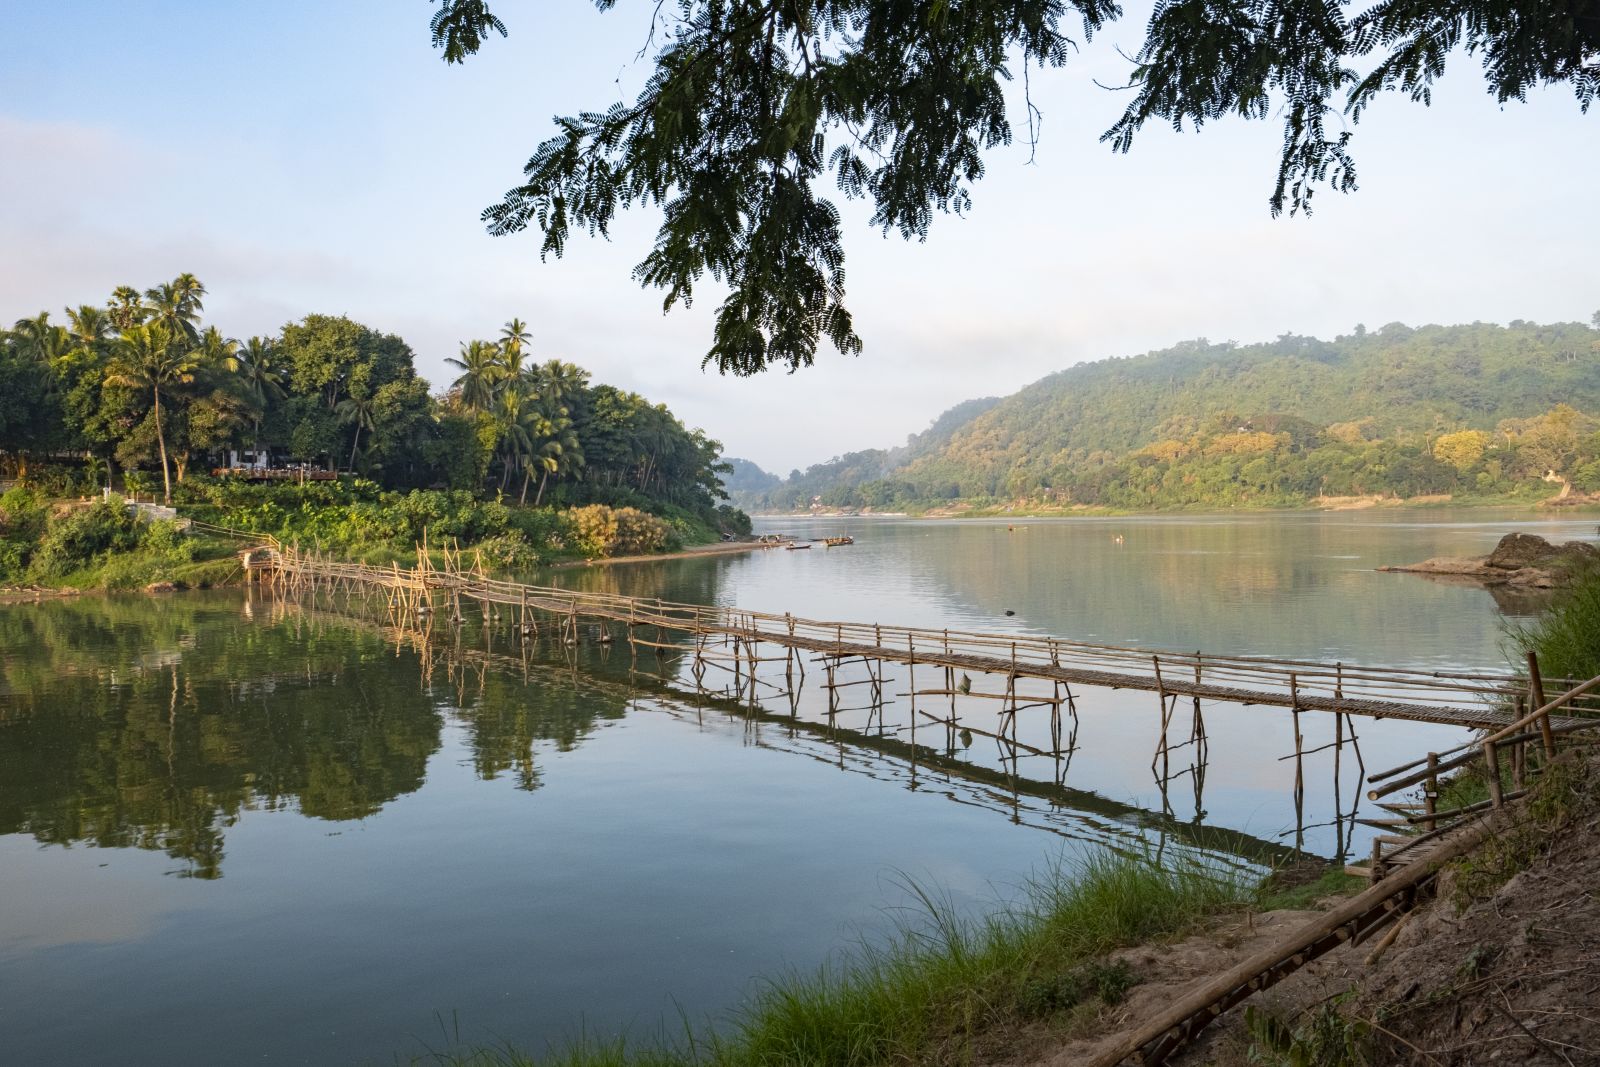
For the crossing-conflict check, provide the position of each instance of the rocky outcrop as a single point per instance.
(1519, 559)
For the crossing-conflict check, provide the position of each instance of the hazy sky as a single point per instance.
(305, 156)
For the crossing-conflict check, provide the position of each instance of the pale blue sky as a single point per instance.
(303, 156)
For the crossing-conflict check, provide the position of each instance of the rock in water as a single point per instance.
(1518, 550)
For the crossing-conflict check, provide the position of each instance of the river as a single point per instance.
(237, 829)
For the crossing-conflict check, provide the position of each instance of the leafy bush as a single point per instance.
(80, 537)
(22, 514)
(13, 562)
(600, 531)
(508, 551)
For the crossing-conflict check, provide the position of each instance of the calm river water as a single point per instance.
(232, 829)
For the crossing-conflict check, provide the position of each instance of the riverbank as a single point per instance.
(109, 544)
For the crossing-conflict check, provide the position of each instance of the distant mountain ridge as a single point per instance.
(1210, 410)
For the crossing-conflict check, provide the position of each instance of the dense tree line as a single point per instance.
(139, 385)
(1477, 410)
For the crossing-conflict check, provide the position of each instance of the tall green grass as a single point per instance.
(1567, 637)
(925, 992)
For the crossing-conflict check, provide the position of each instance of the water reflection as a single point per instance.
(195, 710)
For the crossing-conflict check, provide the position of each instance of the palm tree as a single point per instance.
(513, 410)
(480, 364)
(147, 358)
(514, 342)
(560, 381)
(124, 308)
(39, 339)
(177, 305)
(90, 327)
(550, 446)
(358, 410)
(255, 362)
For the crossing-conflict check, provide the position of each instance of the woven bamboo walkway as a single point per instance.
(1471, 700)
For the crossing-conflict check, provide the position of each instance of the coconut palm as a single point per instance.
(514, 343)
(358, 410)
(39, 339)
(560, 381)
(550, 445)
(125, 309)
(90, 327)
(513, 410)
(255, 362)
(177, 305)
(146, 357)
(481, 370)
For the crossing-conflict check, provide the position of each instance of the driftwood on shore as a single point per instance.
(1520, 559)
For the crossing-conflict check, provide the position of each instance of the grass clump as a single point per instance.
(1567, 636)
(927, 993)
(1295, 889)
(1323, 1038)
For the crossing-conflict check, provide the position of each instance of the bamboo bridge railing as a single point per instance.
(1466, 699)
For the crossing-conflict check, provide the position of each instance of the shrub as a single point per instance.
(594, 530)
(78, 538)
(508, 551)
(599, 531)
(22, 514)
(13, 562)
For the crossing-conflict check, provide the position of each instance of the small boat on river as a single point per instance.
(795, 548)
(835, 542)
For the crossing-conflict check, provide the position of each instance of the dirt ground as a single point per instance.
(1502, 965)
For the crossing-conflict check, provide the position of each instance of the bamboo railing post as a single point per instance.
(1299, 762)
(1430, 792)
(1536, 692)
(1491, 759)
(911, 671)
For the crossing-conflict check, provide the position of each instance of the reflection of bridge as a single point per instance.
(464, 666)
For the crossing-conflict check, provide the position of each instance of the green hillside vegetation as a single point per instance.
(138, 395)
(1477, 412)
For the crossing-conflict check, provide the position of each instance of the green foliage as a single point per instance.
(1050, 994)
(142, 382)
(1479, 411)
(82, 536)
(1325, 1039)
(510, 551)
(750, 109)
(1277, 893)
(599, 531)
(1567, 636)
(22, 514)
(101, 546)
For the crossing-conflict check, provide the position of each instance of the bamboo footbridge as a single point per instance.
(1470, 700)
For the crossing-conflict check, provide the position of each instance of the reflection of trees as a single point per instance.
(154, 724)
(508, 697)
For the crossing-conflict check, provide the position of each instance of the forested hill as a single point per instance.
(1264, 423)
